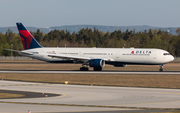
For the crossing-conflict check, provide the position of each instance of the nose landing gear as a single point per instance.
(161, 68)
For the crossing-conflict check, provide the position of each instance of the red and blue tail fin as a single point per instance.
(29, 42)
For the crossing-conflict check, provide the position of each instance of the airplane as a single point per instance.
(92, 57)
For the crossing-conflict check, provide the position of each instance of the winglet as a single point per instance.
(29, 42)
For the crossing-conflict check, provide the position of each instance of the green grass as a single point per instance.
(155, 81)
(10, 95)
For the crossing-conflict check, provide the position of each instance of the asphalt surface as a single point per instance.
(93, 72)
(85, 99)
(24, 108)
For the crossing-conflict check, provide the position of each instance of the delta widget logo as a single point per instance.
(141, 52)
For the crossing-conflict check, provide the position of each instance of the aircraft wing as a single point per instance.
(20, 52)
(74, 57)
(59, 56)
(68, 57)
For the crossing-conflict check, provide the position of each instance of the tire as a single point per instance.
(84, 69)
(97, 68)
(161, 69)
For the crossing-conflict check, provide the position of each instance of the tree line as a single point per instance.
(87, 37)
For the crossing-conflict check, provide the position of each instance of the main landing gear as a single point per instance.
(87, 69)
(97, 68)
(84, 69)
(161, 68)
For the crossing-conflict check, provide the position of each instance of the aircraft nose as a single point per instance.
(171, 58)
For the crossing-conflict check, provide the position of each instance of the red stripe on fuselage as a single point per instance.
(28, 37)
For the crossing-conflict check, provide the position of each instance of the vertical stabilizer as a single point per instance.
(29, 42)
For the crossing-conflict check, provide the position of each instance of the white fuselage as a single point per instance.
(114, 55)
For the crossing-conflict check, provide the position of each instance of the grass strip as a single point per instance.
(10, 95)
(54, 66)
(153, 81)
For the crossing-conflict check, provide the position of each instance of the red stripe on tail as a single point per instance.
(28, 37)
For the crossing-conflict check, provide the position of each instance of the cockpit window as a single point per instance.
(166, 54)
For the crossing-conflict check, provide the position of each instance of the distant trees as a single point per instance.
(87, 37)
(178, 31)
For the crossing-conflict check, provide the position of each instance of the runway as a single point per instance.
(95, 99)
(92, 72)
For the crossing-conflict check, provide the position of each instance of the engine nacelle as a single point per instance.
(96, 63)
(120, 65)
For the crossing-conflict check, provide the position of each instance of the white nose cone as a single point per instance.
(171, 58)
(168, 58)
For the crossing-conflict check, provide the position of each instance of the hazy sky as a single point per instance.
(48, 13)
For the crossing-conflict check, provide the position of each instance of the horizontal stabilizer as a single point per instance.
(20, 52)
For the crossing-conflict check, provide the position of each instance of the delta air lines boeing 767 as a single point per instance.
(92, 57)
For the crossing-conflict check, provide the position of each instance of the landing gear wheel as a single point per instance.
(161, 69)
(97, 68)
(84, 69)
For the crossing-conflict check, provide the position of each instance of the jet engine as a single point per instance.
(97, 64)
